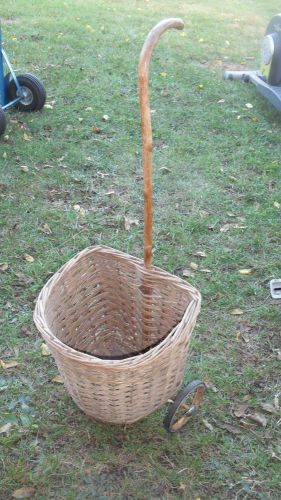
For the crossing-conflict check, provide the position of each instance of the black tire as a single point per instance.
(2, 121)
(195, 388)
(33, 89)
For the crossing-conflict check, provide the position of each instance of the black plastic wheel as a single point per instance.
(33, 90)
(2, 121)
(185, 406)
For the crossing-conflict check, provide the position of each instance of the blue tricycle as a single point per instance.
(24, 91)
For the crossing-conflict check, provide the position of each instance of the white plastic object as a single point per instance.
(275, 288)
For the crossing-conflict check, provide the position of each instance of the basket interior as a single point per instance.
(107, 305)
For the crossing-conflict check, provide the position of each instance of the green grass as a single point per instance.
(222, 172)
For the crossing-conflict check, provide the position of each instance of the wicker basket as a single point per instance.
(119, 328)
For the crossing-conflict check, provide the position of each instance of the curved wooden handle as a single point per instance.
(143, 76)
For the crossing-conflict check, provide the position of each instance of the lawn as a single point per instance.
(217, 213)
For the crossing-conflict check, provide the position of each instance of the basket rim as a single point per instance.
(191, 312)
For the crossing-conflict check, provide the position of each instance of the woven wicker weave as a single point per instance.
(119, 329)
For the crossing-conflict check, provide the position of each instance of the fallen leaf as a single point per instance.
(5, 429)
(229, 428)
(45, 350)
(130, 222)
(186, 273)
(193, 266)
(27, 137)
(48, 106)
(58, 379)
(182, 487)
(4, 266)
(276, 402)
(163, 74)
(96, 130)
(200, 254)
(248, 105)
(221, 101)
(227, 227)
(105, 118)
(24, 492)
(276, 204)
(9, 364)
(110, 193)
(238, 336)
(260, 419)
(46, 229)
(206, 271)
(246, 272)
(236, 312)
(165, 169)
(89, 108)
(28, 257)
(24, 168)
(273, 455)
(240, 410)
(269, 408)
(245, 337)
(207, 424)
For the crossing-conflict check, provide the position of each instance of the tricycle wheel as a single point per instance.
(2, 121)
(186, 404)
(32, 90)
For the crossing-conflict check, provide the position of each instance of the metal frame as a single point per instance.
(271, 92)
(4, 60)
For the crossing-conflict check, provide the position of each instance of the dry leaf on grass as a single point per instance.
(193, 266)
(24, 168)
(46, 229)
(186, 273)
(45, 350)
(27, 137)
(229, 428)
(24, 492)
(236, 312)
(57, 379)
(273, 455)
(200, 254)
(128, 222)
(259, 419)
(269, 408)
(246, 272)
(207, 424)
(28, 257)
(9, 364)
(4, 266)
(239, 410)
(6, 429)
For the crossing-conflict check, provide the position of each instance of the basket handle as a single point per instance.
(143, 76)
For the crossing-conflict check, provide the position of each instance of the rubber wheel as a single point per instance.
(2, 121)
(185, 406)
(34, 93)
